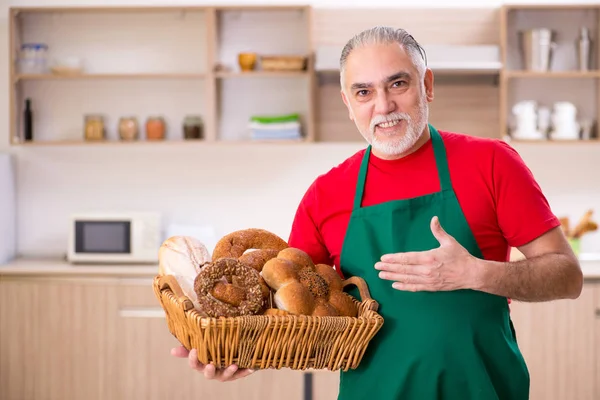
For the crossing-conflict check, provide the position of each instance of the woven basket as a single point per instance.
(283, 63)
(266, 341)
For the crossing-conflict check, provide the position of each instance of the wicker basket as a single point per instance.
(267, 341)
(283, 63)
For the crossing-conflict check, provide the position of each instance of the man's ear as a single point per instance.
(428, 82)
(347, 103)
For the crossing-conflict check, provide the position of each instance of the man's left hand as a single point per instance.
(448, 267)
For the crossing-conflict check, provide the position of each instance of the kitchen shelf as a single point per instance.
(552, 74)
(563, 82)
(555, 142)
(159, 60)
(180, 142)
(27, 77)
(442, 59)
(261, 74)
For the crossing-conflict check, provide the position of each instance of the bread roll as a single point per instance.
(303, 288)
(183, 257)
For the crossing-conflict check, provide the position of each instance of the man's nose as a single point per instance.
(384, 104)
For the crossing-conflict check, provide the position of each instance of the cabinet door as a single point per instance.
(56, 339)
(149, 372)
(558, 342)
(326, 385)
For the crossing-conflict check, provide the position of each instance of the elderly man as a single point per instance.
(427, 218)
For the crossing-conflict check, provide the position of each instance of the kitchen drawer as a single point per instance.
(137, 292)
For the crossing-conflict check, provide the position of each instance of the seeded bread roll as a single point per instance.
(301, 288)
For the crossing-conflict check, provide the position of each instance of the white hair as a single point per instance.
(385, 35)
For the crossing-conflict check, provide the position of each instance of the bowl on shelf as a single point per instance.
(67, 66)
(247, 61)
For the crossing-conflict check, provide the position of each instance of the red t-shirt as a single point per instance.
(502, 203)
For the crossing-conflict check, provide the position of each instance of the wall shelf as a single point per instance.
(142, 61)
(171, 142)
(552, 74)
(29, 77)
(175, 69)
(443, 59)
(262, 74)
(563, 81)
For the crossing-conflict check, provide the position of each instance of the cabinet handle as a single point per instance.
(142, 313)
(598, 312)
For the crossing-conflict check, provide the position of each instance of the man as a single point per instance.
(427, 218)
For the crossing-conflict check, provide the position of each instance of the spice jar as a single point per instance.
(128, 128)
(193, 127)
(155, 128)
(94, 127)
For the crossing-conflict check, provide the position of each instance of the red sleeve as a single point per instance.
(523, 211)
(305, 234)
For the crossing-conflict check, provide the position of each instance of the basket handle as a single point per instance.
(363, 290)
(170, 282)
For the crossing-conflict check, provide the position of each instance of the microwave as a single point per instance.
(114, 237)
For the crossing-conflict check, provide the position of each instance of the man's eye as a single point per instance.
(362, 92)
(399, 83)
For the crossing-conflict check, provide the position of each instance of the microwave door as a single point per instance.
(103, 237)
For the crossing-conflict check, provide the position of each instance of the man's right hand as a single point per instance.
(228, 374)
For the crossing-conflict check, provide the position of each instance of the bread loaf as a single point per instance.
(303, 288)
(183, 257)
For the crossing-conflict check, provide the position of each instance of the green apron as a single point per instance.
(433, 345)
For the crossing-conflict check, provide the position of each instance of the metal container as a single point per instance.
(584, 47)
(537, 48)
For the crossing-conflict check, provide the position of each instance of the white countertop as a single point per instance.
(57, 267)
(590, 264)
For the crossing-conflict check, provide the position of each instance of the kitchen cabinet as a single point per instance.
(149, 372)
(104, 339)
(57, 339)
(559, 343)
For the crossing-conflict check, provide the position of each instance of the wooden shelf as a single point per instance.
(554, 142)
(552, 74)
(260, 74)
(24, 77)
(143, 142)
(569, 84)
(163, 38)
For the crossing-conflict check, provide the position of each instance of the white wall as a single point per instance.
(224, 185)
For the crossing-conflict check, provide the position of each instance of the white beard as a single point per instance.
(399, 145)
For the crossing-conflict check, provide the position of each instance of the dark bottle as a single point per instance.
(28, 121)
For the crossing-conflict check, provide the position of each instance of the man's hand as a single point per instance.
(448, 267)
(228, 374)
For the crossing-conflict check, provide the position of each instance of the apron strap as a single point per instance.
(439, 151)
(362, 178)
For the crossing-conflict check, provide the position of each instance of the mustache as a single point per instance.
(378, 119)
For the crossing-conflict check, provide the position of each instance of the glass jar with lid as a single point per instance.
(128, 128)
(94, 127)
(193, 127)
(155, 128)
